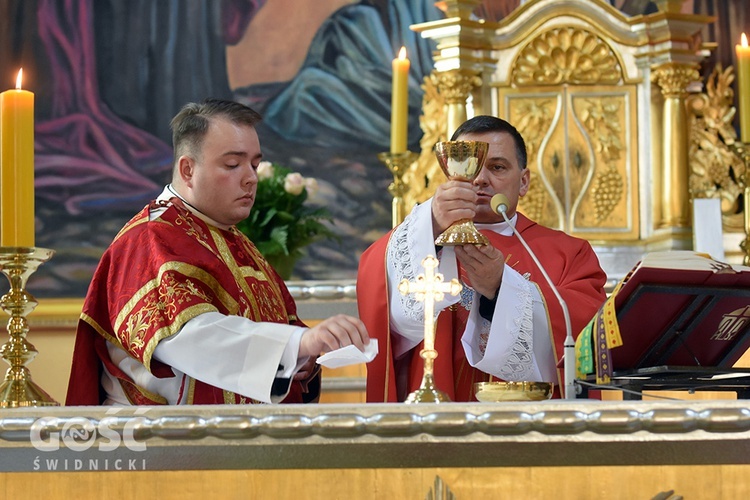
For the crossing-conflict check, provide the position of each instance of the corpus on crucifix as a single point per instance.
(429, 288)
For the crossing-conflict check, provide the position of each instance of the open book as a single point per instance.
(678, 308)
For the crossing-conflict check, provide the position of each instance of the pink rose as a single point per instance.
(294, 183)
(265, 170)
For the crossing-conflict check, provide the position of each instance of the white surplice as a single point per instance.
(515, 346)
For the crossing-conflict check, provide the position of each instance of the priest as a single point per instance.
(182, 308)
(507, 323)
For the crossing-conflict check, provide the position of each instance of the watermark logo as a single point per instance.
(80, 434)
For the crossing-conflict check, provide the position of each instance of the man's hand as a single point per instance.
(483, 265)
(453, 201)
(335, 332)
(305, 370)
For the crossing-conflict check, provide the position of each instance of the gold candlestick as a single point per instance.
(428, 288)
(18, 263)
(743, 150)
(397, 163)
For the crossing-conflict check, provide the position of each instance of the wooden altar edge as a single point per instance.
(583, 433)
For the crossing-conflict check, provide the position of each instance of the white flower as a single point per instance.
(311, 185)
(265, 170)
(294, 183)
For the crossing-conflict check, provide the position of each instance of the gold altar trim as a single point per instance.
(613, 24)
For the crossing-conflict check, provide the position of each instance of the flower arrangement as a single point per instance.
(280, 223)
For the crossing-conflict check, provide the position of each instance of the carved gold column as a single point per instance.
(673, 79)
(456, 86)
(743, 151)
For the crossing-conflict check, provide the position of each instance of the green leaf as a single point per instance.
(281, 223)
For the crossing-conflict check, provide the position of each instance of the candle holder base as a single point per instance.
(427, 392)
(18, 390)
(24, 393)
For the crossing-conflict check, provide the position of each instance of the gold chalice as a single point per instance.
(461, 160)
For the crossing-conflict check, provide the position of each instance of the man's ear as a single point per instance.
(525, 180)
(186, 169)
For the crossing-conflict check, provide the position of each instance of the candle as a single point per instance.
(400, 103)
(17, 167)
(743, 87)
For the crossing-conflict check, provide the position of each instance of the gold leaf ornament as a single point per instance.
(566, 55)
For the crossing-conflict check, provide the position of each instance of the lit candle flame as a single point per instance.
(20, 77)
(402, 52)
(743, 40)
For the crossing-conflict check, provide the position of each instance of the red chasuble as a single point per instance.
(571, 264)
(157, 275)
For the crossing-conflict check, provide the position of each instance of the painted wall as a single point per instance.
(109, 75)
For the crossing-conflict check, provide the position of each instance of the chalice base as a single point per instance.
(462, 233)
(23, 393)
(427, 393)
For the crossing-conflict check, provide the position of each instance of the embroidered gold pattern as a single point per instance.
(96, 326)
(170, 293)
(231, 263)
(186, 270)
(185, 219)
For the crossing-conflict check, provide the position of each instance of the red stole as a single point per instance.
(154, 278)
(571, 264)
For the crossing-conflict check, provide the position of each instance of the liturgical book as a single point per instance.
(674, 309)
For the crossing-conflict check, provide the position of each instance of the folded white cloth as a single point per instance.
(349, 355)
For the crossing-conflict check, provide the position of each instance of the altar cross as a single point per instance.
(429, 288)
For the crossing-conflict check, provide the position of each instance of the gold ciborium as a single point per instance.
(461, 160)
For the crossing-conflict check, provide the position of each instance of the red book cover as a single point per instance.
(682, 309)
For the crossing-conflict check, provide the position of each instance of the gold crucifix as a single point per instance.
(429, 288)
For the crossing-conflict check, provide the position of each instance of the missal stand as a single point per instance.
(684, 321)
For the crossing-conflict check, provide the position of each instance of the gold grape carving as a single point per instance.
(601, 118)
(608, 190)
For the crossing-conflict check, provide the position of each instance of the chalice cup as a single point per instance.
(461, 160)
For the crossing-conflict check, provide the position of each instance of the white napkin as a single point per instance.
(349, 355)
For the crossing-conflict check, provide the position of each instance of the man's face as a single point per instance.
(224, 178)
(500, 174)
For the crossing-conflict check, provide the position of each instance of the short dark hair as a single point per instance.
(190, 125)
(485, 123)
